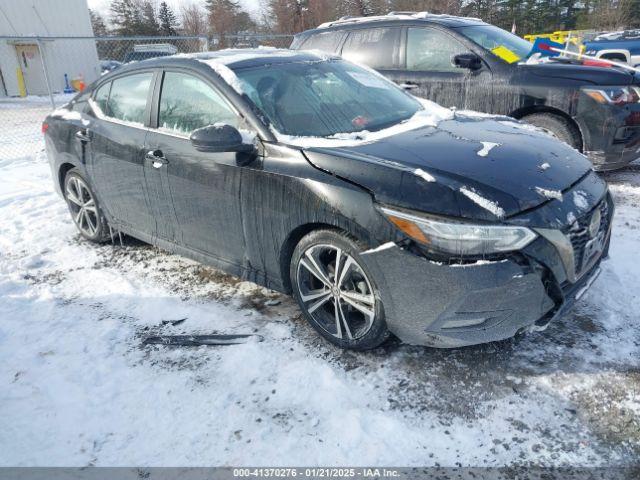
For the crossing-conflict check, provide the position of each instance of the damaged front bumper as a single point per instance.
(454, 305)
(447, 306)
(611, 134)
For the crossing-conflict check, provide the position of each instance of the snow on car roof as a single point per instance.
(396, 16)
(257, 56)
(224, 61)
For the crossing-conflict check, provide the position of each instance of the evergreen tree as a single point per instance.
(150, 25)
(126, 17)
(168, 21)
(634, 15)
(98, 24)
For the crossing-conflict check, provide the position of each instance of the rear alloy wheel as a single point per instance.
(336, 293)
(83, 208)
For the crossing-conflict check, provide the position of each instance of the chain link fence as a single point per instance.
(38, 74)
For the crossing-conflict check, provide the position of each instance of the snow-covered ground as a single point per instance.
(77, 386)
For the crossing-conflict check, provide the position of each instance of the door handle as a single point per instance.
(157, 160)
(83, 135)
(408, 85)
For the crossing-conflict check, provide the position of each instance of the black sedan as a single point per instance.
(307, 174)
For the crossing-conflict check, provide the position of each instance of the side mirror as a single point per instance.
(219, 138)
(467, 60)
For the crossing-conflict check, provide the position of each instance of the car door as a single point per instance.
(116, 136)
(429, 72)
(196, 194)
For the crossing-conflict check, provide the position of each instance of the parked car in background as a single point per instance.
(468, 64)
(317, 177)
(107, 66)
(152, 50)
(623, 46)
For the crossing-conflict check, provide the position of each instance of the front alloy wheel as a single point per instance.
(336, 293)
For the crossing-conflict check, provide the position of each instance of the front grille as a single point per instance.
(579, 236)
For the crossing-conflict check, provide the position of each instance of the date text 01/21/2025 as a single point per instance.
(316, 472)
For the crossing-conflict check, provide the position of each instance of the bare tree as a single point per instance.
(611, 14)
(319, 11)
(194, 19)
(287, 16)
(227, 17)
(432, 6)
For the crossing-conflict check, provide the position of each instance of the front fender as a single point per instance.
(296, 197)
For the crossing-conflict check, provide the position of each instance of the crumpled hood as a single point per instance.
(471, 167)
(581, 73)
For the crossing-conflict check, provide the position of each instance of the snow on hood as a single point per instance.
(526, 169)
(489, 205)
(486, 148)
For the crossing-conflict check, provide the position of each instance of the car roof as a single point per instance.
(236, 58)
(233, 58)
(391, 18)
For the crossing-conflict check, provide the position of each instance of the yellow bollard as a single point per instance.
(21, 87)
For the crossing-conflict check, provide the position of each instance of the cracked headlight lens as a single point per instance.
(459, 238)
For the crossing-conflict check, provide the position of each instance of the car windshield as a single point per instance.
(325, 98)
(502, 44)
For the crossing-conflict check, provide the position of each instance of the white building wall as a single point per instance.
(47, 18)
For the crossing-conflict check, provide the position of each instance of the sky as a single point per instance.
(102, 6)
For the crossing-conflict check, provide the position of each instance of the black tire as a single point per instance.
(89, 219)
(559, 127)
(356, 330)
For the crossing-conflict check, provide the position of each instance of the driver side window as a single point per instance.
(430, 50)
(188, 103)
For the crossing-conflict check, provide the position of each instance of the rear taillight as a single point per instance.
(45, 127)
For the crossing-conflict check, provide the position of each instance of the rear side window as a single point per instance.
(188, 103)
(79, 104)
(374, 47)
(101, 98)
(325, 42)
(128, 98)
(431, 50)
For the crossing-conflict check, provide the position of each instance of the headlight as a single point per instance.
(614, 95)
(459, 238)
